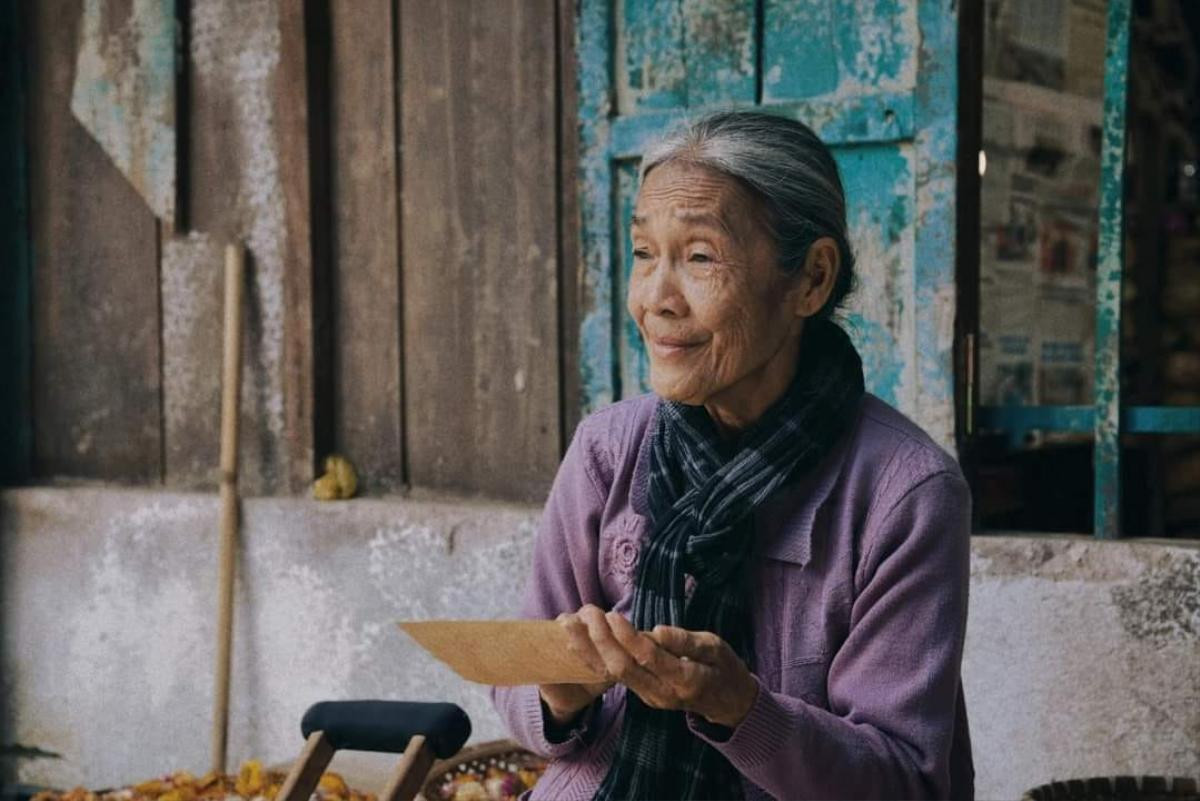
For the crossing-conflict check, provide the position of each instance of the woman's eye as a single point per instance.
(641, 254)
(700, 258)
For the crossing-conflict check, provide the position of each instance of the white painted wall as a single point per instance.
(1083, 658)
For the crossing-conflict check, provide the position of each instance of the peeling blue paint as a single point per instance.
(594, 71)
(650, 44)
(879, 207)
(1107, 453)
(935, 145)
(719, 51)
(878, 348)
(819, 47)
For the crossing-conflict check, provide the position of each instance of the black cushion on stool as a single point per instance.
(387, 726)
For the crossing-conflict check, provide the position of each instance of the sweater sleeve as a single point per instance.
(564, 578)
(893, 685)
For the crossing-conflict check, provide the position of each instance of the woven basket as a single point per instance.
(1124, 788)
(477, 759)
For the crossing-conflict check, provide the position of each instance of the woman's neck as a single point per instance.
(738, 407)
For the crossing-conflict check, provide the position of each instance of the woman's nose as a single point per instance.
(662, 295)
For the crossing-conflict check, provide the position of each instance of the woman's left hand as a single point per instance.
(673, 668)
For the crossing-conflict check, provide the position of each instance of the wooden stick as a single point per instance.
(410, 774)
(231, 386)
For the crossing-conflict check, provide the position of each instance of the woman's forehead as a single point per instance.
(691, 193)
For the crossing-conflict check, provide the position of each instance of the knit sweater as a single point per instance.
(859, 613)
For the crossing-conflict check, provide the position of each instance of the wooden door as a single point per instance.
(876, 79)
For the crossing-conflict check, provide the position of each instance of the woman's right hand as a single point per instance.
(565, 701)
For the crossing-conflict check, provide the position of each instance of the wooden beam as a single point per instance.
(367, 405)
(301, 109)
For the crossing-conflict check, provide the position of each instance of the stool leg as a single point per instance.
(411, 772)
(307, 769)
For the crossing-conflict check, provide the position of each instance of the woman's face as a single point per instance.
(719, 319)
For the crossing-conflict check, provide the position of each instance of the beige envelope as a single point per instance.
(503, 652)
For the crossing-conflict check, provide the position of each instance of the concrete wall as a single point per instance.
(1083, 658)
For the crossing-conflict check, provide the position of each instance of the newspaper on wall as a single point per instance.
(1040, 191)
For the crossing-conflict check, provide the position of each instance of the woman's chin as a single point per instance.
(671, 388)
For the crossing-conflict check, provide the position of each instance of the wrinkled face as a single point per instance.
(716, 313)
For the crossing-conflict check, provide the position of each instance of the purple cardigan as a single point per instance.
(858, 620)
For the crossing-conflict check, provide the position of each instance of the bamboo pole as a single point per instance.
(231, 384)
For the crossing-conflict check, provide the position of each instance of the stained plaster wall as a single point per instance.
(1082, 658)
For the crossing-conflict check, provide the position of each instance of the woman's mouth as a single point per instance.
(667, 347)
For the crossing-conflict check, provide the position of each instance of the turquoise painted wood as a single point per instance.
(15, 423)
(1107, 393)
(877, 80)
(1134, 419)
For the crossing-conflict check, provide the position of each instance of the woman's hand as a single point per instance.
(669, 668)
(565, 701)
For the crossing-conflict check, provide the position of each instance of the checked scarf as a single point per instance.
(702, 500)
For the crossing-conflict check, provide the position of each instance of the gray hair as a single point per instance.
(784, 164)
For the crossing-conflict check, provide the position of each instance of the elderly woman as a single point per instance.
(767, 564)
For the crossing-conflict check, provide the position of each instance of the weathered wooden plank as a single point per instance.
(1107, 393)
(300, 106)
(124, 92)
(248, 178)
(219, 142)
(571, 264)
(95, 288)
(16, 436)
(366, 316)
(191, 283)
(479, 246)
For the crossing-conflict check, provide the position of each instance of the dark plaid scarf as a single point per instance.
(702, 499)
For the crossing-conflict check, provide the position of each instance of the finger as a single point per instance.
(649, 654)
(643, 649)
(656, 662)
(620, 663)
(701, 646)
(580, 643)
(695, 684)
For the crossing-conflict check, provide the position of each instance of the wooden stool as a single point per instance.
(417, 731)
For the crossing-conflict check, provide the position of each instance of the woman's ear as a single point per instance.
(819, 276)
